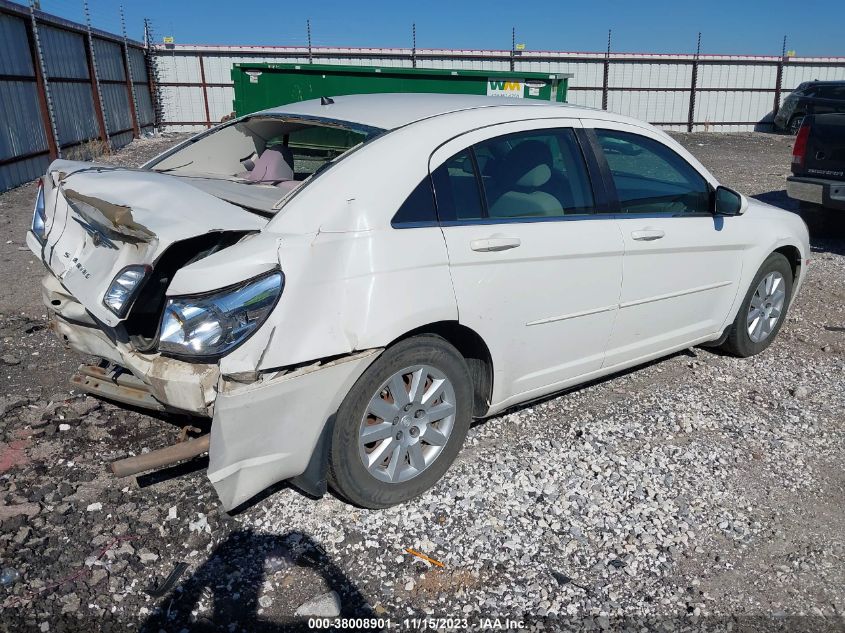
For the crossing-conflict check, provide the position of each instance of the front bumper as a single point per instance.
(827, 193)
(262, 432)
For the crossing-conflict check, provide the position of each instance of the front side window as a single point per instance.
(651, 178)
(527, 175)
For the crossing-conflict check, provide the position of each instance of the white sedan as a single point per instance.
(342, 285)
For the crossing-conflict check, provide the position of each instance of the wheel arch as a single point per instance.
(793, 256)
(474, 350)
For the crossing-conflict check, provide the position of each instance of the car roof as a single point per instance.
(389, 111)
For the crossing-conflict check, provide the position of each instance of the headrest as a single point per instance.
(529, 165)
(270, 167)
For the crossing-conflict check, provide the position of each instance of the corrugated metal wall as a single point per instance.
(27, 142)
(732, 93)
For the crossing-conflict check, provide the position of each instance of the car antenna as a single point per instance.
(326, 101)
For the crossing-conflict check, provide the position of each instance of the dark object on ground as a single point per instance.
(156, 589)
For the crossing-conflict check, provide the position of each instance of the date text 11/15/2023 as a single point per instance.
(419, 624)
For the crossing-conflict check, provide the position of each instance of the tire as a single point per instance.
(744, 343)
(795, 124)
(436, 366)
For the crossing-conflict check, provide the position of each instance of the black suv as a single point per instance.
(811, 97)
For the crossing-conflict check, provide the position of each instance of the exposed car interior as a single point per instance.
(263, 149)
(272, 155)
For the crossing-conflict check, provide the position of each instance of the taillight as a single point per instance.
(39, 214)
(799, 150)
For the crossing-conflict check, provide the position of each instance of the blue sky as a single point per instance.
(739, 26)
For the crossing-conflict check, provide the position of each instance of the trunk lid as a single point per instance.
(101, 219)
(824, 153)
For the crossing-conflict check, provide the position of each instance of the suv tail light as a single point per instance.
(799, 150)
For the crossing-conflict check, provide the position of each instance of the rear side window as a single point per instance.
(534, 175)
(831, 92)
(651, 178)
(456, 188)
(418, 209)
(528, 175)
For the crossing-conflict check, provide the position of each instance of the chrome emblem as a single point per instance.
(98, 238)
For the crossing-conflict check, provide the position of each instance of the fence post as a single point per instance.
(308, 26)
(152, 76)
(693, 84)
(779, 79)
(204, 92)
(513, 48)
(414, 45)
(130, 84)
(94, 78)
(43, 89)
(606, 79)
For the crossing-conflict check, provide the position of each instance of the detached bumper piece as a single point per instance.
(113, 382)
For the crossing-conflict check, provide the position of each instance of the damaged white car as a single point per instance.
(341, 285)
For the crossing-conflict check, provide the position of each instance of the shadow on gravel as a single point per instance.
(232, 580)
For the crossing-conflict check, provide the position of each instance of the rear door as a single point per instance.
(536, 272)
(682, 264)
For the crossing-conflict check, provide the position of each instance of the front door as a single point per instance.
(682, 264)
(536, 272)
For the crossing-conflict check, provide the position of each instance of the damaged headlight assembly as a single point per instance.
(212, 324)
(39, 215)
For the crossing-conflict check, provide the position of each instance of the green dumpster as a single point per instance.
(262, 86)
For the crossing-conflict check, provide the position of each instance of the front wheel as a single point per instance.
(763, 310)
(402, 423)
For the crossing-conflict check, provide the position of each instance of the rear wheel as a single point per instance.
(763, 310)
(402, 423)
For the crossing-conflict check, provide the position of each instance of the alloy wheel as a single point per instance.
(407, 423)
(766, 307)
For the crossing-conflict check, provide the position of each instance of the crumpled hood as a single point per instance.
(101, 219)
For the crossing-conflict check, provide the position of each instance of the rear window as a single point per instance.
(266, 150)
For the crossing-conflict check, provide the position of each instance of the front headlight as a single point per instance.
(215, 323)
(39, 215)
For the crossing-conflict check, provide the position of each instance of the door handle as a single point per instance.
(494, 243)
(647, 235)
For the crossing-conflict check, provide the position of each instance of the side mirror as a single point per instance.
(728, 202)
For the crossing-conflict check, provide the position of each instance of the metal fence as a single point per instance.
(719, 93)
(62, 85)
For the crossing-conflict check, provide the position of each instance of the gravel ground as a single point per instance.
(699, 491)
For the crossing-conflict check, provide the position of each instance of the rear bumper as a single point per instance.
(189, 387)
(266, 432)
(826, 193)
